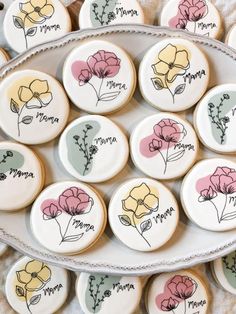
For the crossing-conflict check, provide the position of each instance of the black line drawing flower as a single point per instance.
(172, 63)
(103, 11)
(5, 157)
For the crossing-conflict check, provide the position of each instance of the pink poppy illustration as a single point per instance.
(221, 183)
(98, 67)
(182, 287)
(73, 202)
(168, 305)
(166, 134)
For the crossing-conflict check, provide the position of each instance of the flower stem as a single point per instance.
(18, 119)
(64, 236)
(173, 95)
(24, 29)
(167, 156)
(222, 215)
(195, 27)
(59, 227)
(218, 216)
(26, 301)
(135, 226)
(184, 306)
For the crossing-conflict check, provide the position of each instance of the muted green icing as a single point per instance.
(219, 107)
(102, 12)
(10, 159)
(99, 288)
(80, 148)
(229, 268)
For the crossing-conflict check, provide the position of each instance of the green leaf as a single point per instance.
(146, 225)
(20, 291)
(35, 299)
(27, 119)
(176, 156)
(125, 220)
(158, 84)
(31, 31)
(73, 238)
(18, 22)
(179, 89)
(109, 96)
(14, 106)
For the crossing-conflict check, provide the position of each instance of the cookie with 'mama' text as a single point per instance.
(21, 176)
(105, 294)
(30, 23)
(178, 292)
(200, 17)
(224, 272)
(89, 146)
(208, 194)
(99, 77)
(34, 107)
(4, 57)
(95, 13)
(231, 37)
(143, 214)
(68, 217)
(33, 287)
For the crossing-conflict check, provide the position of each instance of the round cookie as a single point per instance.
(3, 248)
(223, 270)
(68, 217)
(89, 146)
(104, 72)
(116, 294)
(208, 194)
(173, 75)
(95, 13)
(3, 57)
(35, 287)
(214, 119)
(143, 214)
(178, 292)
(200, 17)
(27, 24)
(164, 146)
(231, 37)
(21, 176)
(34, 107)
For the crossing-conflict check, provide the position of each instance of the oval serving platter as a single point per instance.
(190, 244)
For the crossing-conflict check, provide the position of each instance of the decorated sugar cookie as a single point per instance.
(231, 37)
(224, 272)
(33, 287)
(215, 119)
(95, 13)
(173, 75)
(3, 248)
(105, 294)
(143, 214)
(208, 194)
(68, 217)
(200, 17)
(104, 72)
(21, 176)
(34, 108)
(164, 146)
(3, 57)
(33, 22)
(181, 292)
(89, 146)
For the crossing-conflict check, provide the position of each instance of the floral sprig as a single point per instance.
(228, 265)
(109, 15)
(9, 154)
(33, 278)
(220, 122)
(34, 12)
(172, 62)
(88, 151)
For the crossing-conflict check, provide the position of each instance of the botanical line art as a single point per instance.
(220, 122)
(139, 204)
(230, 264)
(189, 12)
(172, 62)
(35, 96)
(88, 151)
(32, 279)
(103, 12)
(177, 291)
(167, 133)
(5, 157)
(220, 184)
(32, 12)
(100, 66)
(73, 202)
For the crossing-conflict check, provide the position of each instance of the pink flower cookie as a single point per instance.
(104, 72)
(68, 217)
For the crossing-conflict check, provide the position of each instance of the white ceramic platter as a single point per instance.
(190, 244)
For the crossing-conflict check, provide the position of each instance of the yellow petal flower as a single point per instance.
(151, 201)
(161, 68)
(181, 59)
(26, 7)
(47, 11)
(38, 3)
(168, 54)
(173, 73)
(25, 94)
(34, 17)
(23, 276)
(142, 211)
(44, 274)
(140, 192)
(34, 267)
(130, 204)
(46, 98)
(34, 285)
(39, 86)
